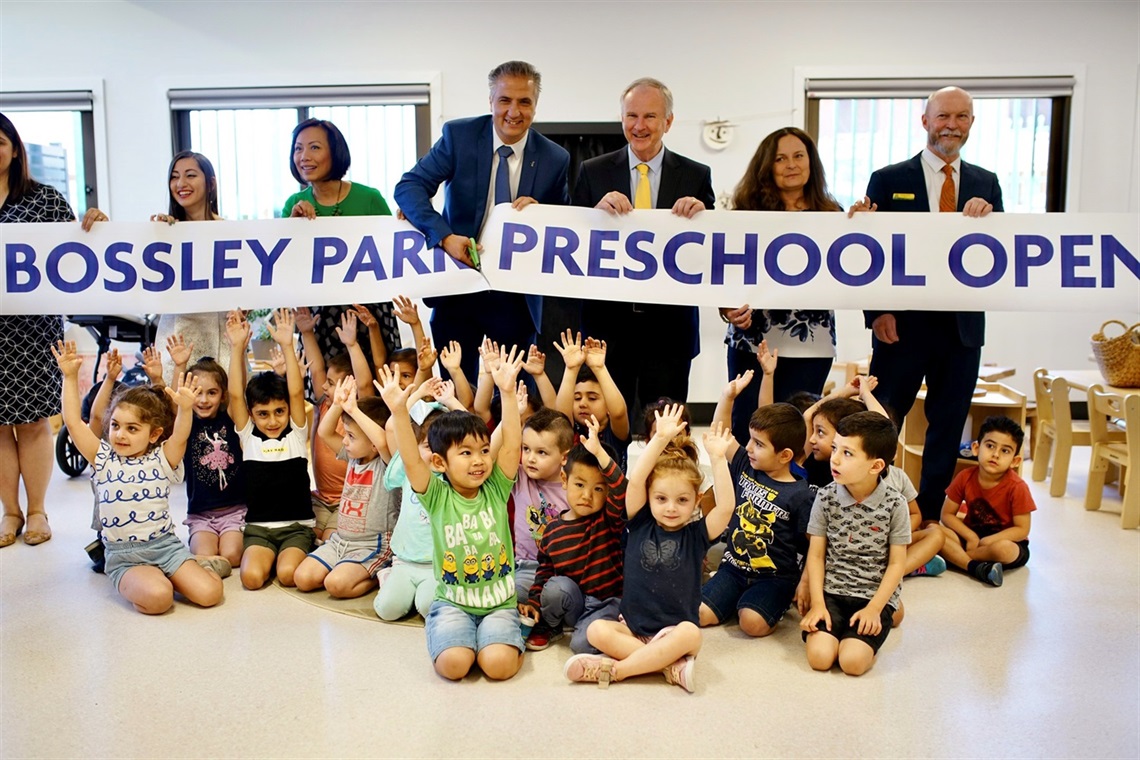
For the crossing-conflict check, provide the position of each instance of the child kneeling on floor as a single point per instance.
(859, 530)
(347, 563)
(474, 617)
(665, 548)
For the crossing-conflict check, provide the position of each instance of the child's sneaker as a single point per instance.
(936, 566)
(590, 667)
(96, 551)
(542, 636)
(217, 563)
(681, 673)
(988, 572)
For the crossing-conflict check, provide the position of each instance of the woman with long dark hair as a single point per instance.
(30, 381)
(785, 174)
(193, 190)
(320, 159)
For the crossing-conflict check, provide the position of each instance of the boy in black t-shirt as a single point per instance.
(761, 573)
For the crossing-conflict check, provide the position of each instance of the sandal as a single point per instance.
(8, 537)
(32, 537)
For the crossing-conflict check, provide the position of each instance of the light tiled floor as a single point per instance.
(1048, 665)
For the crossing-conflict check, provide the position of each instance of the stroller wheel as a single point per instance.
(70, 460)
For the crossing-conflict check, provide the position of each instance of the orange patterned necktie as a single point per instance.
(948, 200)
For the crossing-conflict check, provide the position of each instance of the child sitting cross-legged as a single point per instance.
(135, 468)
(474, 617)
(859, 533)
(660, 607)
(269, 413)
(347, 563)
(588, 390)
(579, 577)
(986, 515)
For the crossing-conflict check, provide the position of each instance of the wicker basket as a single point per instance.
(1118, 357)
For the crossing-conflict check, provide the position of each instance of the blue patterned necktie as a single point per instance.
(503, 176)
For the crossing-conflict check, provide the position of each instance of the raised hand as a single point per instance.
(717, 441)
(426, 355)
(152, 364)
(595, 353)
(277, 360)
(451, 356)
(489, 351)
(179, 350)
(443, 390)
(237, 330)
(115, 364)
(591, 440)
(507, 371)
(767, 359)
(347, 330)
(187, 393)
(405, 311)
(282, 327)
(67, 357)
(668, 423)
(304, 319)
(521, 397)
(865, 384)
(344, 395)
(366, 317)
(737, 385)
(571, 349)
(535, 363)
(388, 385)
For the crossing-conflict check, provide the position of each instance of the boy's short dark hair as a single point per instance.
(585, 375)
(581, 455)
(265, 388)
(374, 409)
(802, 400)
(451, 428)
(552, 421)
(404, 356)
(341, 363)
(879, 438)
(533, 403)
(999, 424)
(784, 425)
(835, 409)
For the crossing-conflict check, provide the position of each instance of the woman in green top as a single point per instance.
(320, 160)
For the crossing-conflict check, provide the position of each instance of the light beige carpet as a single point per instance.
(361, 607)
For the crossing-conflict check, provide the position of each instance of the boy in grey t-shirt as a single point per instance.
(859, 531)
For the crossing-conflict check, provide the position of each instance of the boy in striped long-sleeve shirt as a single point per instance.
(579, 578)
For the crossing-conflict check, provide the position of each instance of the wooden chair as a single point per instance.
(1126, 455)
(1055, 429)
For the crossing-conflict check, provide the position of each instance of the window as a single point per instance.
(1020, 132)
(246, 133)
(58, 131)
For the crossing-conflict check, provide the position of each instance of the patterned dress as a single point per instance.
(30, 381)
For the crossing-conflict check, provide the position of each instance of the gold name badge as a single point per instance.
(903, 197)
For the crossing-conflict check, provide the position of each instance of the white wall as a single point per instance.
(732, 60)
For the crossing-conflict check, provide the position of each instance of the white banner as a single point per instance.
(1004, 262)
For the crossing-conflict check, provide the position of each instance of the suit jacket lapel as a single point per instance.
(967, 185)
(619, 177)
(482, 172)
(917, 180)
(667, 189)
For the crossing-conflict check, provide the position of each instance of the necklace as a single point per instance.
(339, 187)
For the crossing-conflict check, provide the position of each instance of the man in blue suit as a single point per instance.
(485, 160)
(945, 347)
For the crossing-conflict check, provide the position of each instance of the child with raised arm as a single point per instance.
(135, 468)
(587, 390)
(474, 617)
(665, 549)
(859, 532)
(579, 577)
(988, 508)
(329, 471)
(761, 573)
(347, 563)
(269, 413)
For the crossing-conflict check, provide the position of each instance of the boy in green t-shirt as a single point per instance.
(474, 617)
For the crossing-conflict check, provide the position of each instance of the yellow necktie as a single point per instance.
(641, 198)
(948, 201)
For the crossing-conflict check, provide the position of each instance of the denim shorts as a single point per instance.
(730, 590)
(217, 521)
(448, 626)
(167, 553)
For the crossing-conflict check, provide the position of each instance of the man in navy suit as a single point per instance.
(650, 347)
(945, 347)
(485, 160)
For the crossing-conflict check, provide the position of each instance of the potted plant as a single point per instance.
(261, 342)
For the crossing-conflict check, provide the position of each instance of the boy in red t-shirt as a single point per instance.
(986, 514)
